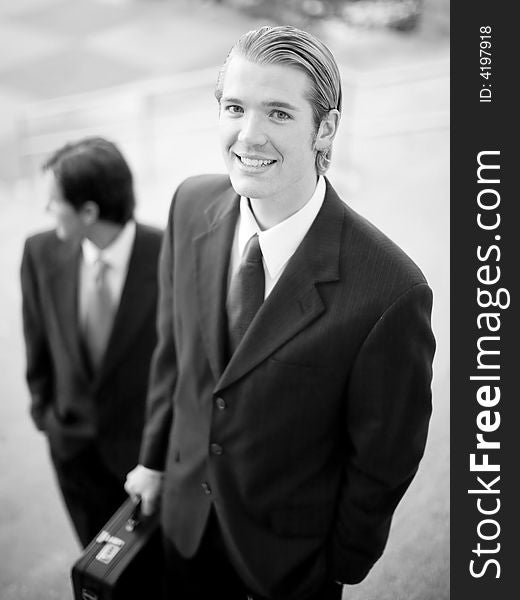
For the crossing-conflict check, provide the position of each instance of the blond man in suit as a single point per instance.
(290, 391)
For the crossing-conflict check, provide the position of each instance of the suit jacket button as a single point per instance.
(216, 449)
(205, 486)
(221, 403)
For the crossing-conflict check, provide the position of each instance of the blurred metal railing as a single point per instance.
(125, 113)
(384, 102)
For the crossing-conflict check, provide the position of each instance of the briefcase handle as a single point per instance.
(135, 517)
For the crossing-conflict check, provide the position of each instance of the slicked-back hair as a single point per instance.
(285, 45)
(94, 170)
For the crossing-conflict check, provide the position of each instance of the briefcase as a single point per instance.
(124, 561)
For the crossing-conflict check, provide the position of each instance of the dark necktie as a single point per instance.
(246, 292)
(99, 315)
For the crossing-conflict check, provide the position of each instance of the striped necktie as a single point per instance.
(246, 292)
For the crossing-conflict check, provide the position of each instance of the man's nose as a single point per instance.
(251, 131)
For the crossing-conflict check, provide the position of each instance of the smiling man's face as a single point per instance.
(267, 131)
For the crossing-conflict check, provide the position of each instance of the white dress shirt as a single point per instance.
(116, 255)
(278, 243)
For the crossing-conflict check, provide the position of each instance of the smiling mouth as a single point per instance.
(255, 162)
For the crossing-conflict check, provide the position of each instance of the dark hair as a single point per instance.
(286, 45)
(94, 170)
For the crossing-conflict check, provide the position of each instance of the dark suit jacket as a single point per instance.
(305, 441)
(73, 407)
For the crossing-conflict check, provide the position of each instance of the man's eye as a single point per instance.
(280, 115)
(234, 109)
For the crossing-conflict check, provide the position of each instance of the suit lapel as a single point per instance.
(133, 306)
(212, 250)
(63, 285)
(295, 301)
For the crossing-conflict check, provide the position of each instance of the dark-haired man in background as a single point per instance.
(89, 303)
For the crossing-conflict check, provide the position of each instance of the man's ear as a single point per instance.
(89, 213)
(327, 130)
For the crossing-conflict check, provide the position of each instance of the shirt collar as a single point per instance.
(116, 254)
(279, 243)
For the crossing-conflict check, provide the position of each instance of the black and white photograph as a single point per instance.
(228, 297)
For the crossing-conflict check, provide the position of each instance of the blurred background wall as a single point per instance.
(141, 72)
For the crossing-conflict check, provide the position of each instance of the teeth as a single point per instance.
(254, 162)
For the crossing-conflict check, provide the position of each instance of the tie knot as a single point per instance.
(253, 252)
(100, 268)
